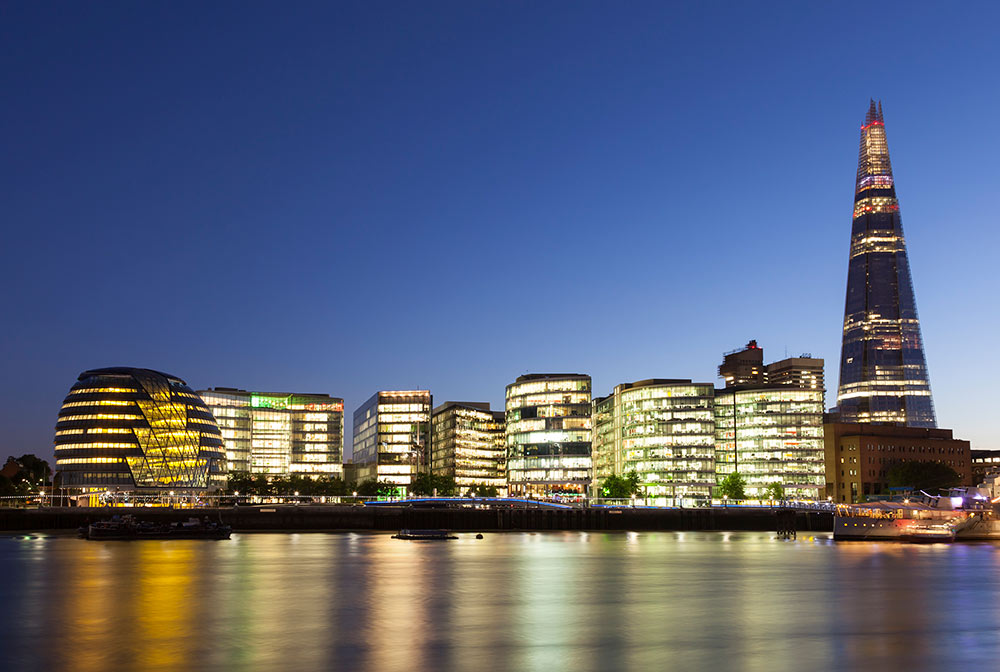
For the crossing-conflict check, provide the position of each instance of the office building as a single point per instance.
(883, 373)
(129, 430)
(771, 434)
(392, 436)
(468, 443)
(744, 366)
(548, 434)
(664, 430)
(804, 372)
(860, 455)
(279, 433)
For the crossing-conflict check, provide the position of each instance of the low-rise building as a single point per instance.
(984, 463)
(859, 456)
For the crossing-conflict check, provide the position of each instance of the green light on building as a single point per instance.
(261, 401)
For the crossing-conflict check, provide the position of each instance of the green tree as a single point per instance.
(927, 476)
(241, 482)
(34, 470)
(775, 491)
(445, 486)
(733, 486)
(429, 484)
(331, 486)
(483, 491)
(620, 487)
(373, 488)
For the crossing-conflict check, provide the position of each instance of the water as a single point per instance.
(550, 601)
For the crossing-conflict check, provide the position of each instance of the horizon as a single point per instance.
(445, 200)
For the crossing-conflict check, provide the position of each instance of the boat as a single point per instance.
(964, 514)
(127, 527)
(424, 535)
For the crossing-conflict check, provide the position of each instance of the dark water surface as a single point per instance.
(550, 601)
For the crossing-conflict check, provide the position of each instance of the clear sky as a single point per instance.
(346, 197)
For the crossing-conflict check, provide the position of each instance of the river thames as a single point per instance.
(511, 601)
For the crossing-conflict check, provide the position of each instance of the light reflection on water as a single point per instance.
(554, 601)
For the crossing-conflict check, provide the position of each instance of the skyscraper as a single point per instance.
(883, 374)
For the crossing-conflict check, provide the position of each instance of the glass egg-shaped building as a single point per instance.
(137, 430)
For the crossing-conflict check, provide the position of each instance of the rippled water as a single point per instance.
(550, 601)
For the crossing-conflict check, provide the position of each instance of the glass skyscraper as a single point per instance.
(883, 374)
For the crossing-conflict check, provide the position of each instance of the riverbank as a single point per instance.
(388, 518)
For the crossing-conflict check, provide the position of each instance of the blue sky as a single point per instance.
(346, 197)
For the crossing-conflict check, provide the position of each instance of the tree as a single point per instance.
(733, 486)
(35, 470)
(620, 487)
(373, 488)
(240, 481)
(926, 476)
(775, 491)
(483, 491)
(429, 484)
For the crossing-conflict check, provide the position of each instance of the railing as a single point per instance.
(192, 500)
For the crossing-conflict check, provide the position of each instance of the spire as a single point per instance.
(874, 168)
(883, 372)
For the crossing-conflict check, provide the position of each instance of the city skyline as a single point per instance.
(249, 223)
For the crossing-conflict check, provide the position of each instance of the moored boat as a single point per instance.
(125, 528)
(424, 535)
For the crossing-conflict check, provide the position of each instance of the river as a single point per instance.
(511, 601)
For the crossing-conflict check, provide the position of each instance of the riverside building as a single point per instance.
(392, 436)
(664, 430)
(883, 372)
(771, 434)
(548, 434)
(860, 455)
(279, 433)
(469, 443)
(136, 431)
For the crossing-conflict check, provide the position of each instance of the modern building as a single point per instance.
(279, 433)
(883, 373)
(392, 436)
(771, 434)
(468, 443)
(860, 455)
(128, 430)
(744, 366)
(664, 430)
(804, 372)
(548, 434)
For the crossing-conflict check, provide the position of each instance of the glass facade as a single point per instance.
(279, 434)
(126, 429)
(469, 444)
(548, 434)
(883, 374)
(778, 438)
(664, 430)
(392, 436)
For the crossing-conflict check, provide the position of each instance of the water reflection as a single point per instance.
(559, 601)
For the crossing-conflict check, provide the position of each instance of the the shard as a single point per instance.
(883, 373)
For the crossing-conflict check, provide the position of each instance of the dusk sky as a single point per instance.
(347, 197)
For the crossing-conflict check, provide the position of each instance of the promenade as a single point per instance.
(393, 517)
